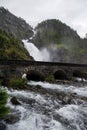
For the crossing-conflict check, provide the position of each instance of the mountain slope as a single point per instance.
(12, 48)
(14, 25)
(63, 43)
(54, 31)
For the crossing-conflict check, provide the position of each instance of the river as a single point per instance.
(45, 110)
(47, 106)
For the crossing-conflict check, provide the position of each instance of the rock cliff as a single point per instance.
(14, 25)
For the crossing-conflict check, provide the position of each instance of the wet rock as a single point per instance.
(2, 126)
(59, 118)
(66, 100)
(14, 101)
(30, 101)
(26, 100)
(13, 117)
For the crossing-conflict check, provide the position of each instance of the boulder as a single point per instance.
(2, 126)
(14, 101)
(13, 117)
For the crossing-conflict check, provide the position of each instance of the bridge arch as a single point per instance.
(35, 75)
(60, 74)
(78, 73)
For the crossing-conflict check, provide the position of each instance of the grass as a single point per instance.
(50, 78)
(17, 82)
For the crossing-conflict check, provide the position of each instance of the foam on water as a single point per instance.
(69, 112)
(79, 90)
(36, 120)
(38, 55)
(33, 120)
(73, 115)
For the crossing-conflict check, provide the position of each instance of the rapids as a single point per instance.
(46, 111)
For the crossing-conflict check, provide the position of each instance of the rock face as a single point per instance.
(14, 25)
(62, 42)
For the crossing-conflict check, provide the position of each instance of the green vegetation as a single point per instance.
(17, 82)
(62, 41)
(11, 47)
(3, 100)
(50, 78)
(54, 31)
(84, 74)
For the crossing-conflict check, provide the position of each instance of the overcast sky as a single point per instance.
(71, 12)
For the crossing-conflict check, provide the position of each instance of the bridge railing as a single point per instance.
(38, 63)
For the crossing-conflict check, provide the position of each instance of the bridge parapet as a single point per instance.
(18, 67)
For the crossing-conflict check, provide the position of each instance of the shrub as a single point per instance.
(17, 82)
(3, 100)
(50, 78)
(11, 47)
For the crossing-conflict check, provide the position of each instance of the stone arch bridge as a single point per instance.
(41, 69)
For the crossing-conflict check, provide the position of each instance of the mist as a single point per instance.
(38, 55)
(49, 54)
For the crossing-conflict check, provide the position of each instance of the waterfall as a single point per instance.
(38, 55)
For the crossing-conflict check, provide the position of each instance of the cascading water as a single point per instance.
(38, 55)
(51, 107)
(46, 106)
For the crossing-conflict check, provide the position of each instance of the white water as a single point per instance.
(41, 115)
(38, 55)
(31, 119)
(79, 90)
